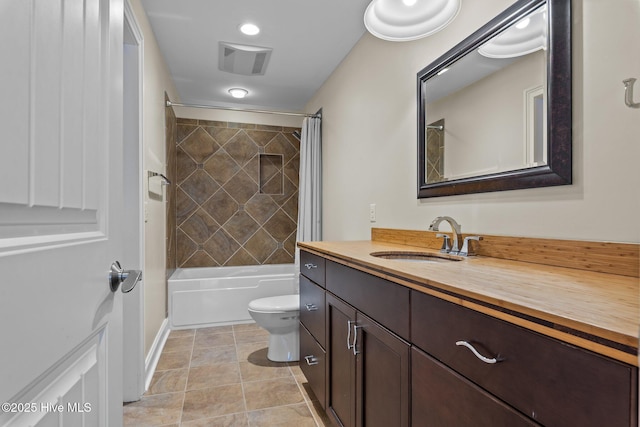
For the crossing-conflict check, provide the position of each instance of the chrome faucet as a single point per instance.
(455, 227)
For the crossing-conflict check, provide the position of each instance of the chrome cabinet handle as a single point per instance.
(311, 360)
(311, 307)
(349, 323)
(478, 355)
(310, 266)
(127, 278)
(355, 339)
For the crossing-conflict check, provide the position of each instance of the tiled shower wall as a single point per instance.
(435, 153)
(237, 193)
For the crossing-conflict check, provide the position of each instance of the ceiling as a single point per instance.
(309, 39)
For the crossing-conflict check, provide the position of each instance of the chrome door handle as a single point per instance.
(311, 307)
(477, 354)
(310, 266)
(355, 339)
(311, 360)
(349, 323)
(127, 278)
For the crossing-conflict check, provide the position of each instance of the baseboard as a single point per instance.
(154, 353)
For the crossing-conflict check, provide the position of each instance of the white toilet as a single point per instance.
(279, 316)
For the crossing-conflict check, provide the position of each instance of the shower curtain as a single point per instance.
(310, 184)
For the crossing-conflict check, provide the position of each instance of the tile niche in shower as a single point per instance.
(237, 194)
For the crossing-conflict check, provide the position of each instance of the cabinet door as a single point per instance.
(382, 376)
(342, 385)
(442, 398)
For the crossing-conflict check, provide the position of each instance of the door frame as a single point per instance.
(134, 371)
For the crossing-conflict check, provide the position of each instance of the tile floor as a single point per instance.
(221, 377)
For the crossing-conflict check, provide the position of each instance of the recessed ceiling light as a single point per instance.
(249, 29)
(238, 92)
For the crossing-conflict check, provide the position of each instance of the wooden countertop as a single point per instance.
(593, 310)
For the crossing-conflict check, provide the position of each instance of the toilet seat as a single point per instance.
(276, 304)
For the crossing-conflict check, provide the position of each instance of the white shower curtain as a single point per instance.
(310, 184)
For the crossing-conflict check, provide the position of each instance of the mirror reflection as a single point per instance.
(486, 112)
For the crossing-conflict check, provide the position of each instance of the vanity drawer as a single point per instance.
(313, 364)
(384, 301)
(552, 382)
(442, 398)
(312, 309)
(312, 266)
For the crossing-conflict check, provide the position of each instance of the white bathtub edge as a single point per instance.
(151, 361)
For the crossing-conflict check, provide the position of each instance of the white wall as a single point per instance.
(369, 137)
(157, 81)
(488, 143)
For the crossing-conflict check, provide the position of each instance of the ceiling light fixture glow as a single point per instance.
(392, 20)
(238, 92)
(527, 36)
(249, 29)
(523, 24)
(441, 72)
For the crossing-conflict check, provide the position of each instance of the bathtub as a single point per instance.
(200, 297)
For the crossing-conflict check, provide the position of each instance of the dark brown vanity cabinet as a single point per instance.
(376, 353)
(368, 370)
(313, 362)
(551, 382)
(357, 367)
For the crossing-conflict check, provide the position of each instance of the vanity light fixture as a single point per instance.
(238, 92)
(405, 20)
(249, 29)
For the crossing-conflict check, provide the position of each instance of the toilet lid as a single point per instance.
(279, 303)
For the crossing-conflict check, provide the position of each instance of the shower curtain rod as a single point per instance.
(246, 110)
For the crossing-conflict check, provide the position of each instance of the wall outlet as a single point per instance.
(372, 212)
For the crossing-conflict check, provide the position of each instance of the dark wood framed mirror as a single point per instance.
(494, 112)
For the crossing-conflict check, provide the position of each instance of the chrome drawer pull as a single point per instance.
(349, 345)
(311, 360)
(478, 355)
(310, 266)
(311, 307)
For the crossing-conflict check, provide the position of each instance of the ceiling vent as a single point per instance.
(243, 59)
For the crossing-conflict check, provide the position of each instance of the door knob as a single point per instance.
(127, 278)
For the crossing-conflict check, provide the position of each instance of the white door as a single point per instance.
(60, 201)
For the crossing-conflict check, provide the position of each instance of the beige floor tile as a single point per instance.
(245, 327)
(212, 402)
(270, 393)
(154, 410)
(251, 335)
(233, 420)
(213, 375)
(246, 350)
(320, 417)
(227, 329)
(171, 381)
(253, 372)
(178, 344)
(181, 333)
(174, 360)
(212, 355)
(213, 340)
(283, 416)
